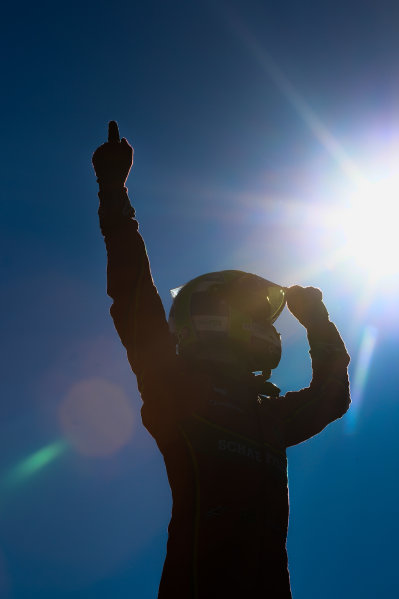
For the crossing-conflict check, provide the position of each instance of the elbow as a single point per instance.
(344, 405)
(343, 399)
(338, 396)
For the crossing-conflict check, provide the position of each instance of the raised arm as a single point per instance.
(305, 413)
(137, 310)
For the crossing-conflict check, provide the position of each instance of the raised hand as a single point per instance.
(113, 160)
(306, 304)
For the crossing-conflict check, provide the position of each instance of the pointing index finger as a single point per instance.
(113, 131)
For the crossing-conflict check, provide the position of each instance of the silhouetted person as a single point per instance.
(223, 431)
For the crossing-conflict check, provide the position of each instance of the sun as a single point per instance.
(363, 215)
(368, 218)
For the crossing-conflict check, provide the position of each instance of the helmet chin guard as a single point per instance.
(230, 311)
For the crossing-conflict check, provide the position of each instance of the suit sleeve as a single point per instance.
(140, 321)
(137, 310)
(307, 412)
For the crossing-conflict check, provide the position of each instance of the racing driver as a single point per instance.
(222, 429)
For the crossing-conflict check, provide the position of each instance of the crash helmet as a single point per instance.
(229, 309)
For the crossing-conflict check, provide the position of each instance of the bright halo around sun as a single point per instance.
(369, 220)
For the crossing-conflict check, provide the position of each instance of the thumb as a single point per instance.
(125, 142)
(127, 148)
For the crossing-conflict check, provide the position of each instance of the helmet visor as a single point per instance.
(257, 297)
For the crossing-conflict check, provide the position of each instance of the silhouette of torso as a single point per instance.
(223, 445)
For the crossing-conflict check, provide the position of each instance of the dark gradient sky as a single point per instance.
(247, 119)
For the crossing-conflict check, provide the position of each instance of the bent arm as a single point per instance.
(140, 321)
(307, 412)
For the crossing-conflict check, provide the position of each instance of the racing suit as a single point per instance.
(223, 443)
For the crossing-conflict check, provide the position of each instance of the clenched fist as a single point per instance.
(113, 160)
(306, 305)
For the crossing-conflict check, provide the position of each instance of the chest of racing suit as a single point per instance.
(224, 445)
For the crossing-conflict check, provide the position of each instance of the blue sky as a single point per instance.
(255, 125)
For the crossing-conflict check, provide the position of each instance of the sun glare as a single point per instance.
(369, 221)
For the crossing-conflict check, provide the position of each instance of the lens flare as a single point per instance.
(367, 347)
(97, 417)
(35, 462)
